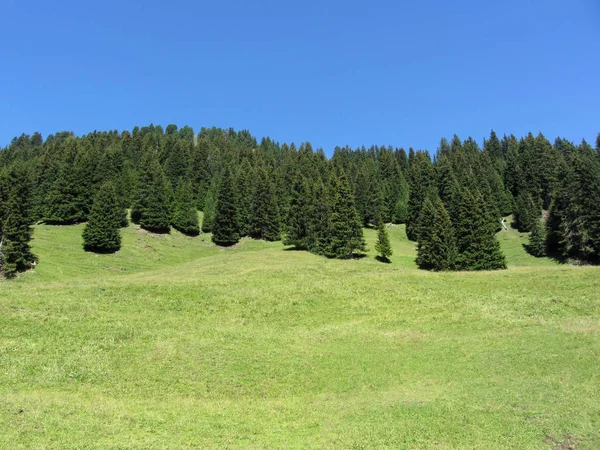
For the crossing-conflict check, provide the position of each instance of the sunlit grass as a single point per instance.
(175, 343)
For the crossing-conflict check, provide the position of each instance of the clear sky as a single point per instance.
(342, 72)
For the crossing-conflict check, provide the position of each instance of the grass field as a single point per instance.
(174, 343)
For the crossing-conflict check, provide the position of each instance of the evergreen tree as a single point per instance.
(185, 216)
(345, 237)
(401, 211)
(102, 232)
(383, 246)
(527, 212)
(443, 242)
(478, 248)
(226, 229)
(200, 171)
(425, 256)
(264, 213)
(537, 239)
(64, 202)
(151, 208)
(177, 162)
(244, 186)
(421, 178)
(15, 234)
(210, 209)
(298, 217)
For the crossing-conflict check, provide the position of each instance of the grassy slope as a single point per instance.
(173, 343)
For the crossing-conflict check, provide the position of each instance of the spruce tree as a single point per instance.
(527, 212)
(345, 237)
(421, 178)
(264, 211)
(102, 232)
(425, 257)
(537, 239)
(15, 235)
(297, 220)
(244, 187)
(401, 211)
(185, 216)
(151, 208)
(64, 201)
(383, 246)
(478, 248)
(226, 229)
(210, 208)
(443, 241)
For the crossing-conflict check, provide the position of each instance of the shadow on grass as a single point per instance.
(166, 230)
(383, 259)
(294, 249)
(101, 251)
(193, 233)
(562, 259)
(58, 223)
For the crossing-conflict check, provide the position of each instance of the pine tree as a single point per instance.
(478, 248)
(151, 208)
(345, 230)
(264, 212)
(102, 232)
(383, 246)
(15, 235)
(226, 229)
(537, 239)
(185, 216)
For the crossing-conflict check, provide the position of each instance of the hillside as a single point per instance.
(175, 343)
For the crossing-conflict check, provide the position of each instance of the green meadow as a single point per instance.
(175, 343)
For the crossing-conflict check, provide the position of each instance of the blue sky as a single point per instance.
(328, 72)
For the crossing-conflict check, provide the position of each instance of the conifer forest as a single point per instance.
(453, 201)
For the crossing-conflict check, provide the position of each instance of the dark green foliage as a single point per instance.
(151, 208)
(177, 162)
(65, 201)
(383, 247)
(527, 212)
(210, 209)
(345, 235)
(478, 248)
(15, 231)
(200, 172)
(437, 246)
(226, 228)
(298, 217)
(264, 212)
(512, 176)
(574, 222)
(401, 211)
(185, 216)
(537, 239)
(245, 181)
(102, 232)
(421, 178)
(425, 233)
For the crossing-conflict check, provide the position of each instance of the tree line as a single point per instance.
(452, 202)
